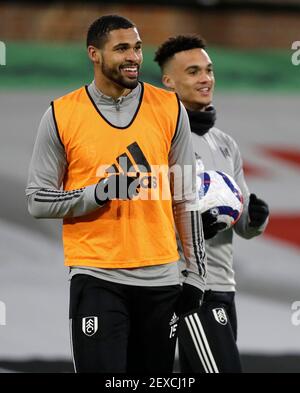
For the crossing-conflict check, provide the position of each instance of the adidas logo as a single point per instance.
(132, 161)
(173, 320)
(126, 164)
(173, 326)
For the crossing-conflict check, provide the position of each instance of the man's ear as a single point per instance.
(93, 54)
(168, 82)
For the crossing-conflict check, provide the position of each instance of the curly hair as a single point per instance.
(177, 44)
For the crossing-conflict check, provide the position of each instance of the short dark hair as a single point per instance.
(177, 44)
(99, 29)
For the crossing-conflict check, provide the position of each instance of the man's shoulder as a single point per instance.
(158, 90)
(71, 95)
(223, 138)
(221, 135)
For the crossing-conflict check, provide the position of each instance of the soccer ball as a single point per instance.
(220, 194)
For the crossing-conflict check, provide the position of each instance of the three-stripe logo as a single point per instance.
(201, 343)
(47, 195)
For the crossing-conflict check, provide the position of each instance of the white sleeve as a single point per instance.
(242, 227)
(185, 203)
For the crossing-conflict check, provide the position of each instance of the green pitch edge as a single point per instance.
(44, 65)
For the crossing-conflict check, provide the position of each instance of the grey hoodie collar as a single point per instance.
(102, 99)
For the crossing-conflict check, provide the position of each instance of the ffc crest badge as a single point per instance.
(89, 325)
(220, 315)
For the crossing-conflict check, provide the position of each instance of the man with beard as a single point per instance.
(101, 162)
(207, 338)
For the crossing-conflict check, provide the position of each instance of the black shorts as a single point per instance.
(121, 328)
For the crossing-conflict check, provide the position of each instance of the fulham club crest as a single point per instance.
(220, 315)
(89, 325)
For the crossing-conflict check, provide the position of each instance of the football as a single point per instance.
(220, 194)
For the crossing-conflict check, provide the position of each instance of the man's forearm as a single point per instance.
(189, 227)
(53, 203)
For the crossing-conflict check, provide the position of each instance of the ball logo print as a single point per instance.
(220, 315)
(89, 325)
(220, 194)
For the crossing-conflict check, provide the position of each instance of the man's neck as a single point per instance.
(110, 89)
(196, 107)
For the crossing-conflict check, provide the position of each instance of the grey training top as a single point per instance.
(219, 151)
(49, 164)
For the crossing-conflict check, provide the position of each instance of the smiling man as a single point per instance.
(190, 73)
(117, 57)
(207, 339)
(93, 160)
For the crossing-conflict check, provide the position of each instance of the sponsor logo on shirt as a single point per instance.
(133, 160)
